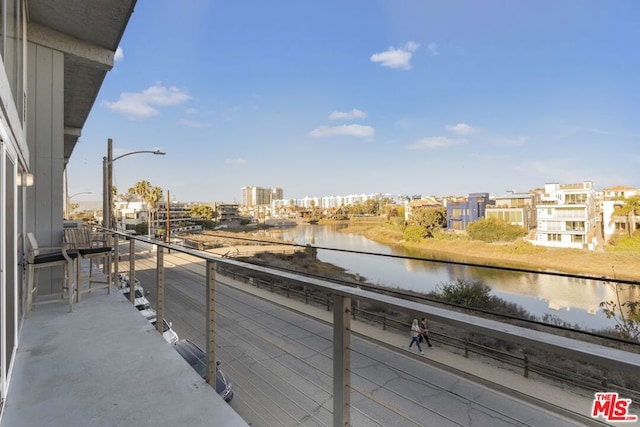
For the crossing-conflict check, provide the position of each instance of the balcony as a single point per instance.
(287, 350)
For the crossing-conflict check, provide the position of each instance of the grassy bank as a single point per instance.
(621, 265)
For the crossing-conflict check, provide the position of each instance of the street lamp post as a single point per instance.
(68, 202)
(107, 174)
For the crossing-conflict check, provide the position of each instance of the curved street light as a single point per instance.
(68, 202)
(107, 174)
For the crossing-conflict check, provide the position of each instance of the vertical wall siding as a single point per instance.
(45, 138)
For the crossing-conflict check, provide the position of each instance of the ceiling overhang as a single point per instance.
(88, 33)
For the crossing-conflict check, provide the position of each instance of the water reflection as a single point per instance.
(572, 300)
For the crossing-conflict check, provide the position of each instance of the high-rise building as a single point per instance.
(256, 196)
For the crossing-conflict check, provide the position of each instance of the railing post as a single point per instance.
(341, 361)
(526, 366)
(116, 259)
(132, 270)
(466, 347)
(306, 296)
(160, 290)
(605, 381)
(384, 322)
(211, 323)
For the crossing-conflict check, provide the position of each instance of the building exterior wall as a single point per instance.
(612, 198)
(567, 216)
(258, 196)
(45, 137)
(461, 213)
(514, 208)
(14, 165)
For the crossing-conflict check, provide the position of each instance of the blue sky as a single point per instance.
(348, 97)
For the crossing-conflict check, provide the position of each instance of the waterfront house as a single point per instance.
(514, 208)
(461, 213)
(566, 216)
(611, 199)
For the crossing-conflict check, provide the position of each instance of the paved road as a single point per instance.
(280, 363)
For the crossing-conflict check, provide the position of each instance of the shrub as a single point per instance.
(466, 293)
(142, 228)
(620, 242)
(413, 233)
(494, 230)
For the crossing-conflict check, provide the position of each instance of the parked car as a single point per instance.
(197, 359)
(123, 278)
(167, 332)
(141, 302)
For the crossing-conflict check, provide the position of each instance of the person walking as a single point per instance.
(424, 331)
(415, 335)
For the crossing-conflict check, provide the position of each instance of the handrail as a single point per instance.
(517, 361)
(341, 295)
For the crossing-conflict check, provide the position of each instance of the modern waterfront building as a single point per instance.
(610, 199)
(566, 216)
(514, 208)
(461, 213)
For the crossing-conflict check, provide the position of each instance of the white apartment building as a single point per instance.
(566, 216)
(129, 213)
(610, 199)
(257, 196)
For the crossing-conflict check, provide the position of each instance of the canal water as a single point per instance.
(575, 301)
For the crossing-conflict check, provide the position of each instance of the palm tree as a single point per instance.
(143, 189)
(630, 209)
(153, 197)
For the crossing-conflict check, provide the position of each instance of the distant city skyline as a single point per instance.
(93, 204)
(378, 96)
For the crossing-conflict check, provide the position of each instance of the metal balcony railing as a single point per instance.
(344, 301)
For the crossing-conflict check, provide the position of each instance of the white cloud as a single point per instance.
(516, 142)
(119, 55)
(461, 129)
(433, 49)
(235, 162)
(432, 142)
(359, 131)
(141, 105)
(195, 124)
(396, 58)
(348, 115)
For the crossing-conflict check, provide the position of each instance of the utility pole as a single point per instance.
(112, 221)
(168, 227)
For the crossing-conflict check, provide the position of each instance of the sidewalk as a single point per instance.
(536, 392)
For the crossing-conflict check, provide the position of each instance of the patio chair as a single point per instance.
(47, 257)
(90, 247)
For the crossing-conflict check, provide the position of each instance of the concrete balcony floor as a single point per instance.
(104, 365)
